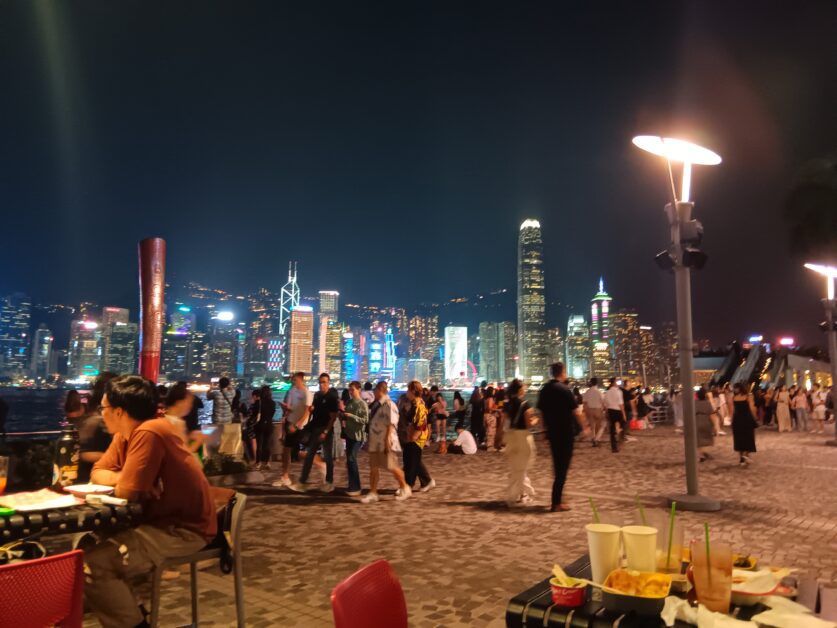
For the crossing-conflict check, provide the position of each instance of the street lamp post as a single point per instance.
(681, 255)
(830, 304)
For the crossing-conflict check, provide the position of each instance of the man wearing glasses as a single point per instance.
(324, 411)
(146, 462)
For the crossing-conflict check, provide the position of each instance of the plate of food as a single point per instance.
(642, 592)
(745, 562)
(83, 490)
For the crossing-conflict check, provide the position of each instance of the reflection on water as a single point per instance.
(33, 410)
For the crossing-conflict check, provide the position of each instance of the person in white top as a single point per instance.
(594, 407)
(297, 412)
(818, 413)
(464, 443)
(615, 404)
(383, 445)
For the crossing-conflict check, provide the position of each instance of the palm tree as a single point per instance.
(811, 211)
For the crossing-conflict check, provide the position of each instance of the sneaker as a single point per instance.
(526, 500)
(721, 433)
(327, 487)
(403, 494)
(282, 482)
(630, 439)
(353, 493)
(370, 498)
(298, 487)
(429, 486)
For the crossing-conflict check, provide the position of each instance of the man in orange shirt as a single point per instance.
(146, 462)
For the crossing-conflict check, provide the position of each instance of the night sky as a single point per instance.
(394, 148)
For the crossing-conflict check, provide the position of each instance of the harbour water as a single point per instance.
(33, 410)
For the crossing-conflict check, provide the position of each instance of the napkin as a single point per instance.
(785, 605)
(677, 608)
(789, 619)
(759, 582)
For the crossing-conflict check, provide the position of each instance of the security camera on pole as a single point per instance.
(681, 255)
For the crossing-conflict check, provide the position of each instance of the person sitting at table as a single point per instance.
(147, 462)
(93, 436)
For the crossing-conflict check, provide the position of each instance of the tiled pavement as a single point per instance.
(461, 554)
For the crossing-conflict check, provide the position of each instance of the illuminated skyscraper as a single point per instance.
(117, 319)
(600, 332)
(289, 299)
(350, 364)
(531, 302)
(84, 357)
(333, 351)
(422, 331)
(15, 315)
(456, 353)
(301, 345)
(507, 347)
(625, 342)
(649, 357)
(577, 347)
(555, 342)
(327, 313)
(488, 352)
(41, 353)
(225, 346)
(667, 344)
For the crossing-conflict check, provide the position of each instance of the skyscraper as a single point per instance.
(577, 347)
(333, 351)
(600, 332)
(225, 345)
(117, 319)
(531, 302)
(625, 342)
(289, 299)
(555, 342)
(649, 357)
(41, 353)
(121, 348)
(15, 316)
(301, 345)
(84, 357)
(327, 313)
(456, 353)
(488, 352)
(422, 330)
(507, 348)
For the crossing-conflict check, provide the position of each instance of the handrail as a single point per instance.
(46, 433)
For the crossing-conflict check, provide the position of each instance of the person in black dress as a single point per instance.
(743, 424)
(477, 404)
(264, 428)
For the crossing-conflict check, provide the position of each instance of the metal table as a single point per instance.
(534, 607)
(82, 518)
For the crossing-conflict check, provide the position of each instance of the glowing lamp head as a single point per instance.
(787, 341)
(225, 316)
(830, 274)
(677, 150)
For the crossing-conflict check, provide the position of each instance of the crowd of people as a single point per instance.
(147, 442)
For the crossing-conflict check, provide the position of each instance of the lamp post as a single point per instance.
(681, 255)
(830, 304)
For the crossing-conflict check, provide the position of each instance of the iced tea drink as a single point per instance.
(713, 581)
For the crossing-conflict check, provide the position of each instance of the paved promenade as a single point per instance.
(461, 554)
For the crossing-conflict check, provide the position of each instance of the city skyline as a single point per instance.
(324, 143)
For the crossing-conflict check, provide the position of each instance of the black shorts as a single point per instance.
(291, 440)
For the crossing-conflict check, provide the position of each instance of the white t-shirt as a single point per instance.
(298, 400)
(614, 398)
(466, 440)
(593, 398)
(385, 415)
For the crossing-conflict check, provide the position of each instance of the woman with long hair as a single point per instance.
(520, 445)
(73, 407)
(489, 417)
(783, 409)
(264, 428)
(743, 424)
(439, 412)
(477, 408)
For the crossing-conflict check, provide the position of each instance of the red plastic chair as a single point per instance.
(43, 592)
(371, 597)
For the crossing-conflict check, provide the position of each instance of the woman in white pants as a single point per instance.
(520, 445)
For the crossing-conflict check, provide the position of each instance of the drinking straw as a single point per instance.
(708, 563)
(595, 511)
(641, 510)
(671, 532)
